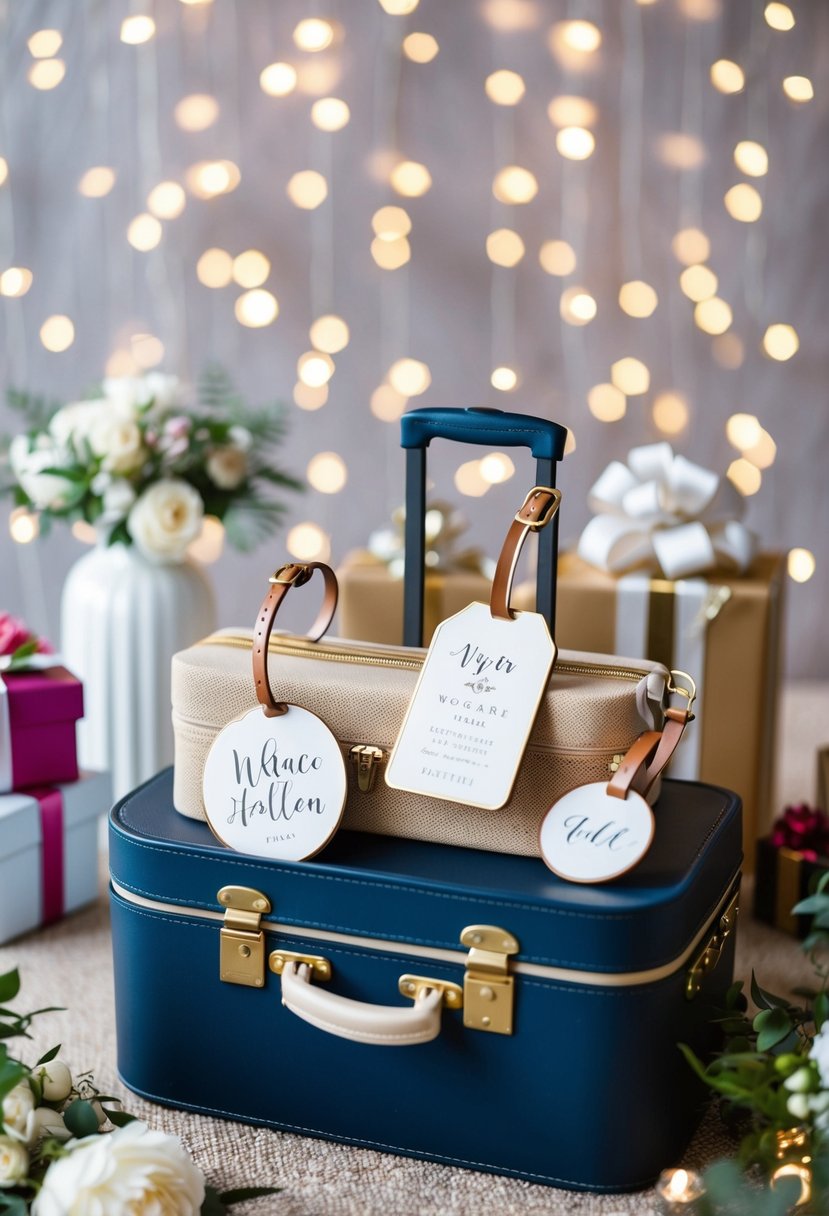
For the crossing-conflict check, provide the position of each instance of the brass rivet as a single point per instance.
(244, 951)
(259, 905)
(486, 994)
(410, 987)
(477, 938)
(486, 1021)
(223, 897)
(507, 945)
(258, 982)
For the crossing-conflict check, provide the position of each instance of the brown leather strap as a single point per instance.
(637, 755)
(649, 756)
(538, 509)
(296, 574)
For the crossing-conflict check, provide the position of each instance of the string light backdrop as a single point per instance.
(608, 212)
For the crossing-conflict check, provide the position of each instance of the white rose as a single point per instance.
(118, 441)
(117, 499)
(55, 1081)
(240, 437)
(164, 390)
(819, 1052)
(47, 491)
(17, 1106)
(42, 1122)
(798, 1105)
(127, 394)
(74, 422)
(131, 1170)
(14, 1162)
(165, 519)
(226, 467)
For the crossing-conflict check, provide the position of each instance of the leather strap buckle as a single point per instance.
(538, 508)
(293, 574)
(690, 693)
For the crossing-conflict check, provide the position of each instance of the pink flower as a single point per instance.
(178, 427)
(804, 829)
(13, 633)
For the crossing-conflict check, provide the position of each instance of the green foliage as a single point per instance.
(729, 1193)
(79, 1116)
(217, 1203)
(173, 441)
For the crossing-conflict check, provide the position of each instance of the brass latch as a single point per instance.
(366, 760)
(487, 985)
(708, 957)
(242, 946)
(414, 986)
(320, 967)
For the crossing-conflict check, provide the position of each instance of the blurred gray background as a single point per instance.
(449, 306)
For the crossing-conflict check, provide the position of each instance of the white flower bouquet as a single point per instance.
(57, 1157)
(145, 468)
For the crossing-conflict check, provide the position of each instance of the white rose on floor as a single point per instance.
(55, 1081)
(131, 1170)
(165, 519)
(48, 491)
(118, 441)
(17, 1106)
(226, 467)
(43, 1121)
(14, 1161)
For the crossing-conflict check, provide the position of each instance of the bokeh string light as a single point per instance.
(304, 81)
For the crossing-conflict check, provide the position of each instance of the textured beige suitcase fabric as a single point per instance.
(594, 708)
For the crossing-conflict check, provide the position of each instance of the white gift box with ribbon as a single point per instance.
(662, 515)
(49, 851)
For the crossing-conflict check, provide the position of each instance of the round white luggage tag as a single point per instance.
(275, 782)
(589, 836)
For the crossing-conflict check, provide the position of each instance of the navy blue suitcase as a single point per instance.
(562, 1005)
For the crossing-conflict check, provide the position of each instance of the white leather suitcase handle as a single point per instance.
(383, 1025)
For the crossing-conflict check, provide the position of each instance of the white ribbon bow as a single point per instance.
(661, 512)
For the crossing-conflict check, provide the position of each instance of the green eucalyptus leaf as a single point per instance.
(820, 1008)
(80, 1118)
(50, 1055)
(212, 1205)
(119, 1118)
(765, 1000)
(240, 1194)
(9, 985)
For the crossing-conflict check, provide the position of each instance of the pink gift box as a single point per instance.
(43, 707)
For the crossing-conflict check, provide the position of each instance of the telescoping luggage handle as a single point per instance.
(490, 427)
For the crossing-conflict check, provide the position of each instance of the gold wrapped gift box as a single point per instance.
(736, 628)
(737, 645)
(371, 599)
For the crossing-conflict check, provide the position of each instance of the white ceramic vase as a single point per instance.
(122, 619)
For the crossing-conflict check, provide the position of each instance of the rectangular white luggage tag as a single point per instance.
(471, 714)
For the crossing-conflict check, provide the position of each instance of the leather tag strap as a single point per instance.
(649, 756)
(296, 574)
(537, 511)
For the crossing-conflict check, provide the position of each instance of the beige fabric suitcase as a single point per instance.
(594, 708)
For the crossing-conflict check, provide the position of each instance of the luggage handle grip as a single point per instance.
(482, 425)
(359, 1021)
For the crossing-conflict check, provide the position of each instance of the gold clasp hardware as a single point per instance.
(541, 499)
(415, 985)
(242, 945)
(366, 760)
(680, 690)
(320, 967)
(488, 986)
(291, 575)
(708, 957)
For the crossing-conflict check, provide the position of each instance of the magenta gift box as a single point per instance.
(43, 707)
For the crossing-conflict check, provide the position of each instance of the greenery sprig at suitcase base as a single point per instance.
(773, 1081)
(51, 1122)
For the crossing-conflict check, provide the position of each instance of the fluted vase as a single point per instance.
(122, 619)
